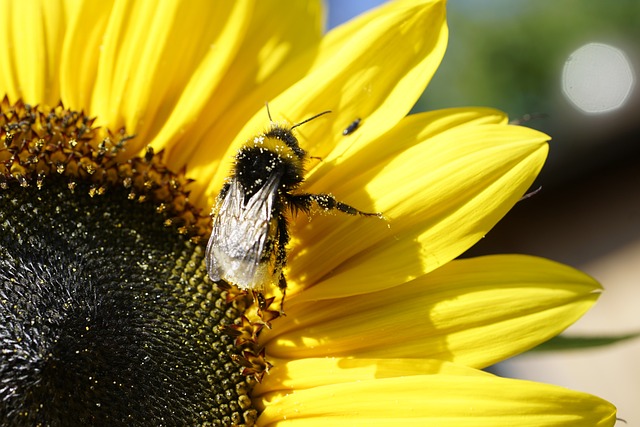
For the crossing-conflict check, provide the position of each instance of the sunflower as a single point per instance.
(119, 123)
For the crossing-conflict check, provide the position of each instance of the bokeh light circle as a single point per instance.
(597, 78)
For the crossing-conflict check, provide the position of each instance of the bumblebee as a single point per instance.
(247, 247)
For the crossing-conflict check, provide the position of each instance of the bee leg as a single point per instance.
(327, 202)
(260, 300)
(281, 257)
(282, 284)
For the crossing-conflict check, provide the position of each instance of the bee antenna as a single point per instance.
(266, 104)
(310, 118)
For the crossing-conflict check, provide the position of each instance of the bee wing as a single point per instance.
(240, 233)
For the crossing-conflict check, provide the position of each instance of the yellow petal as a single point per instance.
(475, 311)
(414, 129)
(31, 35)
(301, 374)
(377, 73)
(420, 40)
(138, 65)
(253, 77)
(223, 27)
(437, 400)
(439, 195)
(81, 53)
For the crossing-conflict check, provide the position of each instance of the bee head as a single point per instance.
(286, 135)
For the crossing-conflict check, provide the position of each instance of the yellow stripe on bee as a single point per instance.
(273, 145)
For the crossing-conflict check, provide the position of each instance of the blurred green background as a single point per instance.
(509, 54)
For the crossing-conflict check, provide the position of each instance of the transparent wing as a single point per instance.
(240, 233)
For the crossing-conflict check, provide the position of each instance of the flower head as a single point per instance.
(119, 125)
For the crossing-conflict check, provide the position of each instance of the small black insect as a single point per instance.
(247, 247)
(352, 127)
